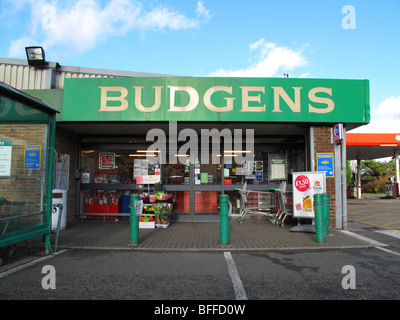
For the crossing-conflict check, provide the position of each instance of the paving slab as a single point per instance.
(199, 236)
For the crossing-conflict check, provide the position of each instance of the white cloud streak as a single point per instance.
(384, 119)
(272, 60)
(81, 24)
(389, 109)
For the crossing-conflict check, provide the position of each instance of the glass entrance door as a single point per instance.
(194, 185)
(206, 184)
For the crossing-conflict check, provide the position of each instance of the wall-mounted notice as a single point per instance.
(146, 179)
(277, 167)
(140, 167)
(325, 163)
(305, 185)
(5, 157)
(32, 158)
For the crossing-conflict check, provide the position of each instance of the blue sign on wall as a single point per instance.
(325, 163)
(32, 158)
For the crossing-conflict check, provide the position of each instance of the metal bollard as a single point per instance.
(134, 221)
(325, 199)
(319, 218)
(224, 220)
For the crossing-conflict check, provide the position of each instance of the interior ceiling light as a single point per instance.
(35, 56)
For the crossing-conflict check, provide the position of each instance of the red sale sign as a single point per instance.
(302, 183)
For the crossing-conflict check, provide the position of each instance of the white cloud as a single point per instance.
(272, 60)
(389, 108)
(17, 47)
(81, 24)
(161, 18)
(202, 11)
(379, 126)
(384, 119)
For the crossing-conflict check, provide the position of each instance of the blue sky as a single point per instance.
(305, 38)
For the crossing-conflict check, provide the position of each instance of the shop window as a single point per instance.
(271, 165)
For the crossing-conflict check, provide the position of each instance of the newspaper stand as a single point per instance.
(27, 135)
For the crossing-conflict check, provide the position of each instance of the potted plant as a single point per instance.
(154, 196)
(166, 196)
(157, 187)
(166, 209)
(162, 212)
(157, 213)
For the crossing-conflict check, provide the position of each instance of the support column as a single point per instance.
(358, 179)
(312, 150)
(338, 187)
(344, 180)
(397, 175)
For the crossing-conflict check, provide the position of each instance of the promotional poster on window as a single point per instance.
(305, 185)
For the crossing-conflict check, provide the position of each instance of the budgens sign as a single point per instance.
(216, 99)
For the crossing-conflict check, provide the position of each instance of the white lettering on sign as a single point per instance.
(208, 103)
(157, 99)
(104, 98)
(246, 98)
(193, 98)
(294, 105)
(251, 96)
(329, 102)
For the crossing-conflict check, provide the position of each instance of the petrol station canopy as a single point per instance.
(368, 146)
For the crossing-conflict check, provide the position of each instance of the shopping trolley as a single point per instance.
(256, 202)
(272, 203)
(283, 210)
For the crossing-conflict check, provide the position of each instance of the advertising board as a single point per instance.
(305, 185)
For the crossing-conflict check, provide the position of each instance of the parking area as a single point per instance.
(373, 212)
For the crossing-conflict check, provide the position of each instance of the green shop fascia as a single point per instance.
(217, 99)
(283, 112)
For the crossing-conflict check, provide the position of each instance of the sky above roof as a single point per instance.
(356, 39)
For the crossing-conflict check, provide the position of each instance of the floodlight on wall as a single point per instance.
(35, 56)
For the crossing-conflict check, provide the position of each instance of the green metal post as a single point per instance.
(134, 223)
(319, 218)
(325, 197)
(224, 220)
(49, 194)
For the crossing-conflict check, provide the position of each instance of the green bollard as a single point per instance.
(319, 218)
(134, 223)
(325, 199)
(224, 220)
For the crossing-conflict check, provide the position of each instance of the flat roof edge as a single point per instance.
(24, 97)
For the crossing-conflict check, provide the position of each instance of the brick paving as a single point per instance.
(198, 236)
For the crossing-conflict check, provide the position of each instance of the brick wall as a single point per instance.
(323, 143)
(27, 191)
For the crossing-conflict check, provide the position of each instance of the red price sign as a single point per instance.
(302, 183)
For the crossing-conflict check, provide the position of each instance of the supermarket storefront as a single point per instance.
(207, 136)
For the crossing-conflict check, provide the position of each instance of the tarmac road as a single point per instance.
(217, 277)
(178, 276)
